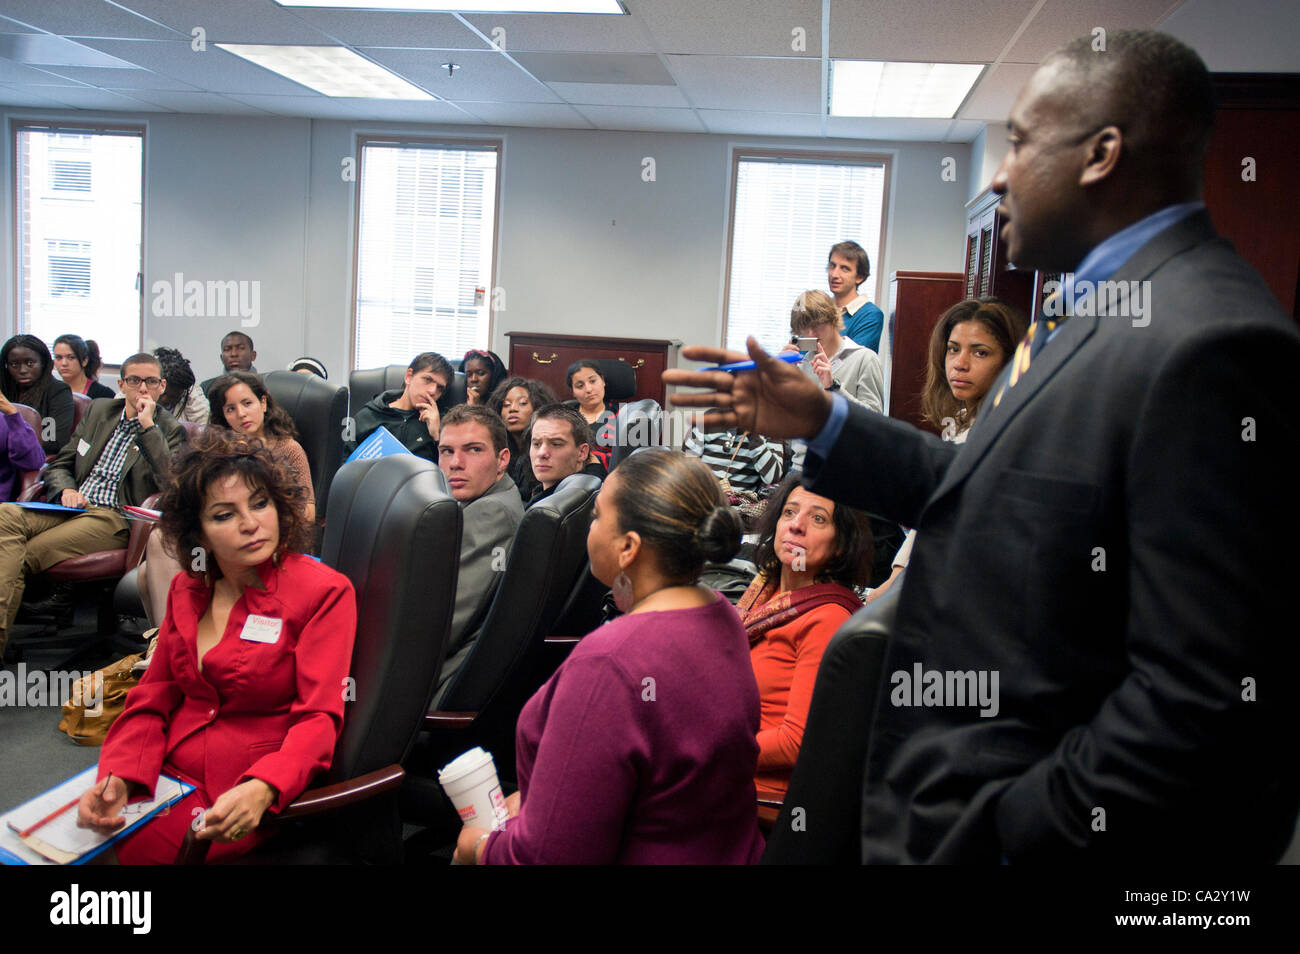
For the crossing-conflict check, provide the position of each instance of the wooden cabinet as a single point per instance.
(916, 300)
(987, 270)
(547, 357)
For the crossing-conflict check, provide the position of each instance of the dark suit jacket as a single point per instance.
(1145, 708)
(146, 461)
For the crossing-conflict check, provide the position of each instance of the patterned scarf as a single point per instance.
(762, 610)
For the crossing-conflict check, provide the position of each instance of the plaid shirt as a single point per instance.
(101, 485)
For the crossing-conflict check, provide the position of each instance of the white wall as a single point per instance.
(585, 245)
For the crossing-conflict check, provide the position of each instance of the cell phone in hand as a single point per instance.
(805, 344)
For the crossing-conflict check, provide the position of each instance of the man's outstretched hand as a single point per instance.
(777, 400)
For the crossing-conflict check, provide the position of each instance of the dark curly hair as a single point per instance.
(851, 564)
(212, 456)
(276, 423)
(539, 394)
(178, 374)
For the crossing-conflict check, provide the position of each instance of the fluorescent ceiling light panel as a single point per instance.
(466, 6)
(900, 90)
(332, 70)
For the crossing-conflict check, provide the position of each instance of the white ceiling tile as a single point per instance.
(84, 18)
(45, 49)
(213, 70)
(18, 74)
(196, 102)
(441, 31)
(1259, 37)
(87, 98)
(118, 79)
(741, 122)
(1060, 21)
(231, 21)
(755, 83)
(872, 127)
(646, 118)
(924, 30)
(637, 69)
(311, 107)
(993, 96)
(408, 110)
(732, 27)
(619, 94)
(565, 32)
(554, 115)
(482, 75)
(26, 96)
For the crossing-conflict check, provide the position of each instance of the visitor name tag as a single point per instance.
(261, 629)
(82, 447)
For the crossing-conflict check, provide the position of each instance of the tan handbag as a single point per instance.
(99, 698)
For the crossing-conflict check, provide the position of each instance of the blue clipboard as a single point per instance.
(381, 443)
(10, 846)
(41, 505)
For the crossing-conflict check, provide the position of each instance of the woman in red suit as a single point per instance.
(811, 551)
(244, 695)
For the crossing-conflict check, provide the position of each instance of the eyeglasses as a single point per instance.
(135, 382)
(18, 364)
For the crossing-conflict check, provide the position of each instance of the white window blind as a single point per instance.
(77, 231)
(787, 215)
(424, 254)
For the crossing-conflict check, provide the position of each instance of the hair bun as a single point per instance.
(718, 537)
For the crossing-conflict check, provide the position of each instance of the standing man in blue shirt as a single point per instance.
(846, 269)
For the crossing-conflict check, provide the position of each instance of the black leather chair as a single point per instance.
(820, 821)
(318, 410)
(620, 380)
(505, 667)
(638, 424)
(395, 533)
(366, 384)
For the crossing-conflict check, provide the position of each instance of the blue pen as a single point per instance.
(789, 357)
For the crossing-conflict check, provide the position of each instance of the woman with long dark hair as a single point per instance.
(77, 361)
(515, 399)
(183, 399)
(483, 370)
(25, 378)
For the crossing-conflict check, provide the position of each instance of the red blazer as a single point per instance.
(266, 710)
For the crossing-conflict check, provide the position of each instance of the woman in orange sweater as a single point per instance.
(810, 553)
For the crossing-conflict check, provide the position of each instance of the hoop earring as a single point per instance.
(622, 592)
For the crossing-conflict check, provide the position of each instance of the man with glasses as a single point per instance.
(117, 457)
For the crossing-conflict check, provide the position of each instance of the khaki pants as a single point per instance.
(32, 541)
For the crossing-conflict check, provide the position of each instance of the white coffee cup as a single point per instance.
(470, 781)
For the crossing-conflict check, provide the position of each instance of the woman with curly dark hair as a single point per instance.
(515, 399)
(811, 553)
(241, 404)
(243, 694)
(25, 378)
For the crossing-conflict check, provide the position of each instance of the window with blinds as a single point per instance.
(77, 233)
(425, 238)
(787, 212)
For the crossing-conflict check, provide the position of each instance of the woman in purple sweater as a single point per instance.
(22, 448)
(641, 748)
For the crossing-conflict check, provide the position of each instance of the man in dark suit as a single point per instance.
(117, 456)
(1113, 542)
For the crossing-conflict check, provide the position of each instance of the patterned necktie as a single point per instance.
(1032, 343)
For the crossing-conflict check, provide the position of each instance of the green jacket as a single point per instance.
(147, 460)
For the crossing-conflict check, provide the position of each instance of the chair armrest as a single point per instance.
(35, 491)
(139, 534)
(312, 802)
(562, 640)
(774, 803)
(449, 720)
(330, 798)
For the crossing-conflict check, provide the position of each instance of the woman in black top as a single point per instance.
(77, 362)
(25, 378)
